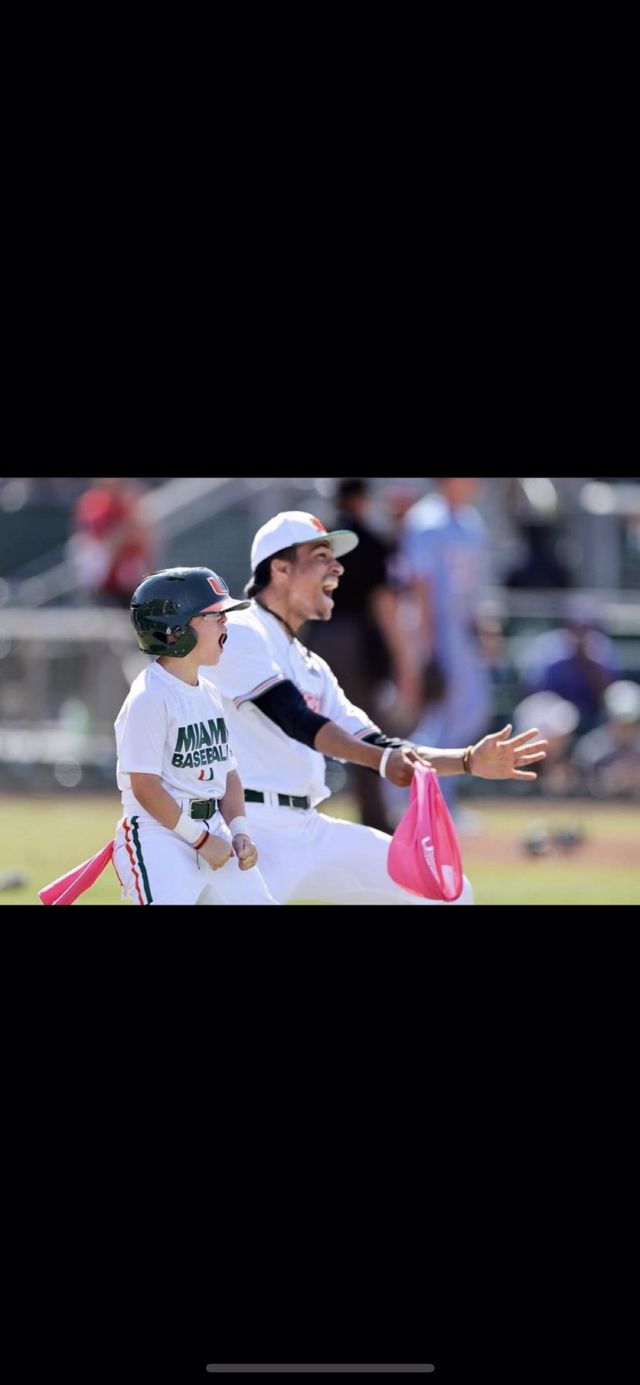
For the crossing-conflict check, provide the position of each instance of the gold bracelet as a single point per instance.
(466, 760)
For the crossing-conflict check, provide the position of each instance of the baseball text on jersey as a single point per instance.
(197, 744)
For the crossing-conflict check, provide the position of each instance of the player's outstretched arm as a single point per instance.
(399, 768)
(498, 756)
(285, 705)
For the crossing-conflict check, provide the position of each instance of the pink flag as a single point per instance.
(424, 856)
(76, 881)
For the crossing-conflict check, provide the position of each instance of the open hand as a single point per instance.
(497, 757)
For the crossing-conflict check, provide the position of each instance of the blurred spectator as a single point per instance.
(535, 510)
(394, 501)
(63, 489)
(111, 545)
(607, 760)
(578, 662)
(364, 642)
(557, 721)
(446, 549)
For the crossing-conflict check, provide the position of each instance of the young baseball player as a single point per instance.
(286, 711)
(184, 837)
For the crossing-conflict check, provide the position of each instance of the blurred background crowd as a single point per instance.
(468, 603)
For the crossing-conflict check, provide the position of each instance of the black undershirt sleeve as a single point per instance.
(378, 738)
(285, 705)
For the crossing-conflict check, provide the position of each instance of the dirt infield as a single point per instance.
(498, 834)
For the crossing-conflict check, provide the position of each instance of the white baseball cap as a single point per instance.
(297, 526)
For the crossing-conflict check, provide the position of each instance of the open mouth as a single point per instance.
(329, 588)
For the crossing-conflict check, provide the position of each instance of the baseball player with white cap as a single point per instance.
(286, 711)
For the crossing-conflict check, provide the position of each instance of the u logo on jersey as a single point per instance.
(219, 585)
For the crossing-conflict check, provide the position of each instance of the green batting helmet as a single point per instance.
(164, 603)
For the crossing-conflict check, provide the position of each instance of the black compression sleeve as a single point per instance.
(285, 705)
(377, 738)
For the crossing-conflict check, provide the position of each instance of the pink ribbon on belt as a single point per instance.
(76, 881)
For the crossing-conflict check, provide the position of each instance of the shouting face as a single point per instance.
(312, 580)
(211, 629)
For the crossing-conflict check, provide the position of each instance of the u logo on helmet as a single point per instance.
(220, 588)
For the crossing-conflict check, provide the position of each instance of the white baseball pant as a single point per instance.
(154, 866)
(306, 855)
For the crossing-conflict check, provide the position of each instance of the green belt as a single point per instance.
(285, 800)
(203, 807)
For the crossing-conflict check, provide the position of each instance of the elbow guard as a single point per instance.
(285, 705)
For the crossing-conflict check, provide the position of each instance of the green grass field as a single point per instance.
(44, 837)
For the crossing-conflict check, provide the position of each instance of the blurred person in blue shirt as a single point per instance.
(445, 547)
(608, 758)
(576, 661)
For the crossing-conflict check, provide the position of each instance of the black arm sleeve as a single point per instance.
(377, 738)
(286, 706)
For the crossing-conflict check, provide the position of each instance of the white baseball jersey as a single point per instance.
(168, 728)
(258, 654)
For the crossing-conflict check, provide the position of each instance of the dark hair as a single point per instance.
(262, 575)
(352, 485)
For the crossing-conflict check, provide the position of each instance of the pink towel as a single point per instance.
(76, 881)
(424, 856)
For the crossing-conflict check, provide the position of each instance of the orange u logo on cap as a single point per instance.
(318, 523)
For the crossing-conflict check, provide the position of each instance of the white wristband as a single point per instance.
(382, 767)
(190, 830)
(239, 825)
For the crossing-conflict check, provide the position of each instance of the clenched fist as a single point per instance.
(245, 850)
(401, 765)
(216, 851)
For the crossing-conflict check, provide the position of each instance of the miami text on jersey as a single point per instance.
(198, 744)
